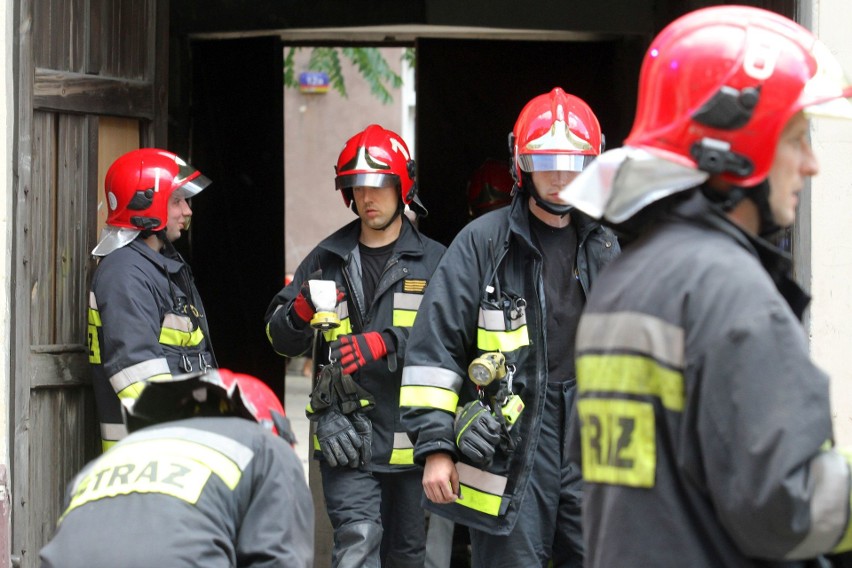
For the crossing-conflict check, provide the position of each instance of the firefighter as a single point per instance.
(489, 188)
(511, 285)
(205, 478)
(381, 266)
(705, 429)
(145, 317)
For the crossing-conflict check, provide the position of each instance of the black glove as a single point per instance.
(364, 428)
(338, 440)
(477, 433)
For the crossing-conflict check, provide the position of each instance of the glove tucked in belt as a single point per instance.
(343, 432)
(338, 440)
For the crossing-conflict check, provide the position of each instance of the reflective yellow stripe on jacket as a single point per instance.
(170, 461)
(94, 326)
(481, 490)
(431, 387)
(625, 362)
(495, 332)
(178, 330)
(345, 328)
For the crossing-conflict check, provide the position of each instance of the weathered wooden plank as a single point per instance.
(127, 47)
(61, 437)
(60, 26)
(71, 254)
(41, 228)
(76, 92)
(60, 366)
(94, 36)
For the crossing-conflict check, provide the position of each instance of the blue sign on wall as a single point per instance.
(313, 82)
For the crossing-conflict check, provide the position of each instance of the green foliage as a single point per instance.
(368, 60)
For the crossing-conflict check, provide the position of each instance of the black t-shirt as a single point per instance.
(373, 261)
(563, 295)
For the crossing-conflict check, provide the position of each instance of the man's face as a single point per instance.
(179, 215)
(550, 183)
(376, 205)
(794, 162)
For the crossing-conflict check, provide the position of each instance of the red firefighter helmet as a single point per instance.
(215, 392)
(555, 132)
(138, 186)
(375, 157)
(490, 187)
(718, 85)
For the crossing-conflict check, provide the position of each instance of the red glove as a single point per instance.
(303, 307)
(355, 351)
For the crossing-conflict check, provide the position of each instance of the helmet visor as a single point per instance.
(193, 187)
(366, 180)
(554, 162)
(827, 94)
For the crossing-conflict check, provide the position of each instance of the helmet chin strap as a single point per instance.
(552, 208)
(400, 208)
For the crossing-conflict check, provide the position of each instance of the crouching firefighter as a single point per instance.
(381, 266)
(511, 286)
(207, 477)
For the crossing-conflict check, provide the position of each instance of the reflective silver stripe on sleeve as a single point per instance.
(495, 320)
(481, 480)
(178, 322)
(139, 372)
(402, 301)
(632, 332)
(829, 476)
(422, 376)
(401, 441)
(93, 302)
(238, 453)
(113, 432)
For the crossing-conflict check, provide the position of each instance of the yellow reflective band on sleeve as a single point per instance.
(431, 397)
(402, 457)
(95, 317)
(618, 442)
(344, 329)
(179, 338)
(107, 444)
(631, 374)
(479, 500)
(403, 318)
(170, 467)
(502, 341)
(132, 392)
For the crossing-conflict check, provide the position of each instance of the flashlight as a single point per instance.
(486, 368)
(324, 298)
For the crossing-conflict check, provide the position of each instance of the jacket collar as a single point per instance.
(172, 263)
(519, 220)
(342, 241)
(777, 263)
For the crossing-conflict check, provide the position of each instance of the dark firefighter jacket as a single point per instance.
(706, 428)
(145, 320)
(461, 319)
(213, 492)
(395, 305)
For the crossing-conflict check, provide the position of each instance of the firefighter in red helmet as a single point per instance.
(495, 336)
(206, 477)
(145, 317)
(704, 428)
(381, 266)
